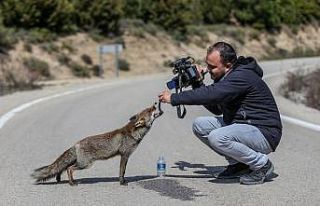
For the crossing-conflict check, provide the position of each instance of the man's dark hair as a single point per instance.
(227, 52)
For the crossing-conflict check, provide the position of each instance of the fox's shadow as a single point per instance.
(95, 180)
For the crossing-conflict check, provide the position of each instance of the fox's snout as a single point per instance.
(156, 113)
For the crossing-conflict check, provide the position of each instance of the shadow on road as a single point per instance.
(205, 170)
(94, 180)
(171, 188)
(208, 172)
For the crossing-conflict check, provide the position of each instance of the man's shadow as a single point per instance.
(207, 172)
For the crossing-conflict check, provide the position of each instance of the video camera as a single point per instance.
(186, 74)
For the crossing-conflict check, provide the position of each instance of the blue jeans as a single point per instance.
(236, 142)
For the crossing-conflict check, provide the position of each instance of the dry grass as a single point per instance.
(303, 88)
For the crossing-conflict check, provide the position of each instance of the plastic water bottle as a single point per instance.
(161, 167)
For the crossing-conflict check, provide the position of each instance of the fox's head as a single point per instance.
(146, 117)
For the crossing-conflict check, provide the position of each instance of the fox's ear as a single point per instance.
(133, 118)
(140, 123)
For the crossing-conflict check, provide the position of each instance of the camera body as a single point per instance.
(187, 73)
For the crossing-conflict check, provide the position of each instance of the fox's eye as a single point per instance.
(133, 118)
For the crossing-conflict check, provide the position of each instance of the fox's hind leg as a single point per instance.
(77, 166)
(58, 177)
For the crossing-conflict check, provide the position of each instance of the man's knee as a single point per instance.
(198, 127)
(217, 140)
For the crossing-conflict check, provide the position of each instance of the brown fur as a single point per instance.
(121, 142)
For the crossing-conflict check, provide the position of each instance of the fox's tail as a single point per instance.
(45, 173)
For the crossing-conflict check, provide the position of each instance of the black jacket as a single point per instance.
(242, 97)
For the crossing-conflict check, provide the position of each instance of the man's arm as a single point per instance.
(213, 108)
(221, 92)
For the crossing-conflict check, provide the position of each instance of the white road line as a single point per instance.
(301, 123)
(7, 116)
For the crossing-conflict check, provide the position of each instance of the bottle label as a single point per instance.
(161, 166)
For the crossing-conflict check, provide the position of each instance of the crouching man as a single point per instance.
(250, 126)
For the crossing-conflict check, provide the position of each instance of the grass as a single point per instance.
(79, 70)
(298, 52)
(37, 66)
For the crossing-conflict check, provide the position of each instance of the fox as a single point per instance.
(103, 146)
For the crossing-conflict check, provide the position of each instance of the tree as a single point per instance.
(54, 15)
(215, 11)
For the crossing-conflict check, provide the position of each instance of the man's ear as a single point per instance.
(140, 123)
(228, 65)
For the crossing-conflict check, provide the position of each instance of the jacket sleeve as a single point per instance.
(215, 109)
(218, 93)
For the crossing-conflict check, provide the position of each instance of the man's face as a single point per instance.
(215, 66)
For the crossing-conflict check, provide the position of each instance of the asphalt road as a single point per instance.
(37, 135)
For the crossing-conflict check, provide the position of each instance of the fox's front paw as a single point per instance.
(58, 178)
(123, 182)
(74, 183)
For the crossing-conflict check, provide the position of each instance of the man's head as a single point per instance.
(220, 58)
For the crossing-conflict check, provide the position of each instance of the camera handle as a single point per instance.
(181, 109)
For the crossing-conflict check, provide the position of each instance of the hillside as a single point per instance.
(145, 52)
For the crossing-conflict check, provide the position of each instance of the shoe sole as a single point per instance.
(268, 175)
(226, 178)
(238, 175)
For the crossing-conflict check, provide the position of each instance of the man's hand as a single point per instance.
(165, 96)
(201, 69)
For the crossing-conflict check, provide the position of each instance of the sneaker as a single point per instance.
(258, 176)
(234, 171)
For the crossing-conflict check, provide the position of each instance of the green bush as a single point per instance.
(103, 15)
(7, 38)
(49, 47)
(123, 65)
(167, 63)
(27, 47)
(152, 29)
(68, 46)
(63, 59)
(36, 65)
(13, 83)
(86, 59)
(69, 16)
(96, 35)
(79, 70)
(39, 36)
(272, 41)
(215, 11)
(95, 70)
(313, 90)
(254, 34)
(56, 16)
(199, 31)
(306, 85)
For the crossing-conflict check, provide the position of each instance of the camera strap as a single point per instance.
(181, 109)
(184, 111)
